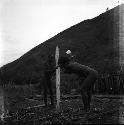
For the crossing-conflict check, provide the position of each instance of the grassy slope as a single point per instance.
(92, 41)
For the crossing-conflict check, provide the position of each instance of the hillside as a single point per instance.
(94, 42)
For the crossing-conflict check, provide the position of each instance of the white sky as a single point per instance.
(27, 23)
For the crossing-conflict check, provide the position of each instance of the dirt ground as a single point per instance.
(103, 111)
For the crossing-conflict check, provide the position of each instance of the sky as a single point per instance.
(25, 24)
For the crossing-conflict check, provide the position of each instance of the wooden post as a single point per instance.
(57, 80)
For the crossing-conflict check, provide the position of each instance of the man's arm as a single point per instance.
(52, 70)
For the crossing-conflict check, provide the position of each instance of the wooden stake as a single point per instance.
(57, 79)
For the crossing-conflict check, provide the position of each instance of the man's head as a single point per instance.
(70, 55)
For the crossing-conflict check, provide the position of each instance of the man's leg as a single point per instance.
(45, 92)
(89, 93)
(87, 87)
(84, 99)
(51, 92)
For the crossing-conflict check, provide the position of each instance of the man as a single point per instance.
(49, 69)
(82, 71)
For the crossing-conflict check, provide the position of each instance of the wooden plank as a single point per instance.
(57, 79)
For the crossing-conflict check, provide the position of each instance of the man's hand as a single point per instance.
(57, 67)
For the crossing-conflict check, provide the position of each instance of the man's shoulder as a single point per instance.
(75, 63)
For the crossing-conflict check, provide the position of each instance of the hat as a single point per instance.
(68, 52)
